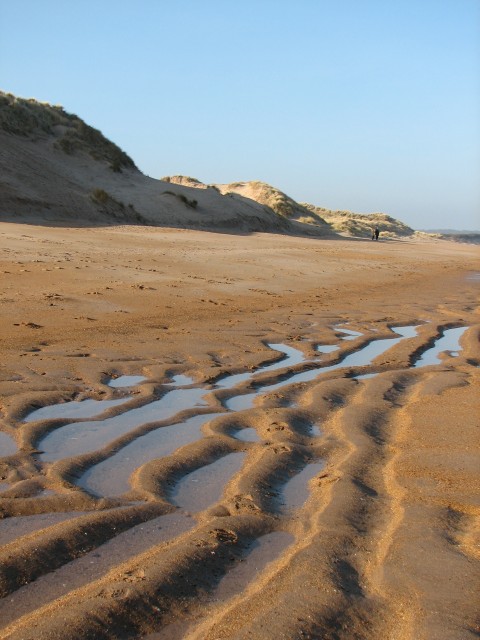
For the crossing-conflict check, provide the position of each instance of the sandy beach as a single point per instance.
(283, 463)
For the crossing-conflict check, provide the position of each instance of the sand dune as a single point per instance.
(57, 170)
(295, 459)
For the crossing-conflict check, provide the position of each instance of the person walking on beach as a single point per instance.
(376, 233)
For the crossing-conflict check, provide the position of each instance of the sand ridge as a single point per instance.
(391, 515)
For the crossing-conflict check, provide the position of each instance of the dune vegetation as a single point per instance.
(29, 118)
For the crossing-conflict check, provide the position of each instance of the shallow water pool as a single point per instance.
(75, 409)
(449, 342)
(8, 445)
(202, 488)
(295, 491)
(111, 477)
(126, 381)
(82, 437)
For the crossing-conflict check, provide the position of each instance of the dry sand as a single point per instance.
(383, 546)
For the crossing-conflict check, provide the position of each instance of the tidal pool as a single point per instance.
(449, 342)
(180, 380)
(247, 435)
(18, 526)
(327, 348)
(82, 437)
(74, 409)
(362, 357)
(295, 491)
(126, 381)
(203, 487)
(349, 333)
(8, 445)
(110, 477)
(293, 357)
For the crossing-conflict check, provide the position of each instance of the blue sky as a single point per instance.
(366, 105)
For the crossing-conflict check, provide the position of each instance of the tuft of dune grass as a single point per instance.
(29, 118)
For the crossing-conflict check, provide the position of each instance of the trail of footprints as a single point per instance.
(186, 480)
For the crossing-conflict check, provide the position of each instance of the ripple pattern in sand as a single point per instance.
(263, 481)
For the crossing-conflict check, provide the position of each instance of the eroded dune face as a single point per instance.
(236, 437)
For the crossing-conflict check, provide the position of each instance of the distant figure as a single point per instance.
(376, 233)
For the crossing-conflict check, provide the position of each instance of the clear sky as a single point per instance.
(366, 105)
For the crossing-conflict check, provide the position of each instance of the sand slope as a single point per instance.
(40, 182)
(377, 540)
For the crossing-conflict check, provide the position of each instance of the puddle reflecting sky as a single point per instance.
(295, 491)
(349, 333)
(448, 342)
(202, 488)
(125, 381)
(180, 380)
(17, 526)
(360, 358)
(327, 348)
(7, 445)
(74, 409)
(83, 437)
(110, 477)
(247, 435)
(293, 357)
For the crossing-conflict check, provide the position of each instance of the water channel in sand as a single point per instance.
(294, 357)
(262, 553)
(125, 381)
(7, 445)
(449, 343)
(180, 380)
(327, 348)
(111, 477)
(202, 488)
(265, 549)
(92, 565)
(17, 526)
(361, 358)
(247, 435)
(83, 437)
(295, 491)
(74, 409)
(349, 333)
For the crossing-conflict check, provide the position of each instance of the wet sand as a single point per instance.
(293, 455)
